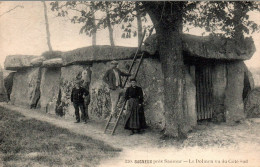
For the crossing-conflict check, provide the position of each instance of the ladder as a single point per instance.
(114, 124)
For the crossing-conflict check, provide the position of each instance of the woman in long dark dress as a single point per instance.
(135, 119)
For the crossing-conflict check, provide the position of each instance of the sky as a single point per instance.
(22, 32)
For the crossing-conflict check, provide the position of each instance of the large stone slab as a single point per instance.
(55, 62)
(37, 62)
(219, 83)
(26, 87)
(50, 86)
(249, 83)
(150, 78)
(97, 53)
(252, 104)
(234, 91)
(8, 81)
(218, 47)
(3, 93)
(51, 54)
(190, 112)
(213, 47)
(68, 76)
(16, 62)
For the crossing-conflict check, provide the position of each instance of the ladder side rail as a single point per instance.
(135, 57)
(130, 69)
(139, 64)
(109, 119)
(141, 59)
(119, 115)
(138, 67)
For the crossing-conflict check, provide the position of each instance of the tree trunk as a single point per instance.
(94, 38)
(47, 26)
(139, 24)
(110, 29)
(169, 31)
(239, 13)
(94, 34)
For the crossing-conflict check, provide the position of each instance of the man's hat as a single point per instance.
(114, 62)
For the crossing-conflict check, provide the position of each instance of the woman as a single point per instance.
(135, 120)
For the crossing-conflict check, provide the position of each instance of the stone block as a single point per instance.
(56, 62)
(50, 86)
(3, 93)
(252, 104)
(233, 102)
(16, 62)
(97, 53)
(26, 87)
(37, 62)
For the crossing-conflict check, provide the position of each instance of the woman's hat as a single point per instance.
(132, 79)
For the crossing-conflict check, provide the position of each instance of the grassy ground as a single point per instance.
(29, 142)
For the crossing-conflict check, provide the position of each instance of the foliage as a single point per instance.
(83, 12)
(216, 17)
(223, 16)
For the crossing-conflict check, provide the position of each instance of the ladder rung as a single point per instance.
(111, 122)
(109, 130)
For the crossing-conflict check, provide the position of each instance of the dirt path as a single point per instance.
(208, 145)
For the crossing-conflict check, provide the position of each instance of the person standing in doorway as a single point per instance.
(113, 78)
(77, 98)
(86, 79)
(135, 119)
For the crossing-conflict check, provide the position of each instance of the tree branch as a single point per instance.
(12, 10)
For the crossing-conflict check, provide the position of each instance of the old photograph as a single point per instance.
(130, 83)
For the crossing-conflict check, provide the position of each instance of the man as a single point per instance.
(77, 98)
(113, 78)
(86, 79)
(135, 119)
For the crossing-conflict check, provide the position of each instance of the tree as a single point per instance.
(168, 19)
(48, 35)
(94, 34)
(108, 22)
(139, 23)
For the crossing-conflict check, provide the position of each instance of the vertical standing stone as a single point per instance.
(233, 97)
(190, 101)
(3, 94)
(50, 85)
(219, 83)
(25, 89)
(248, 82)
(68, 76)
(150, 78)
(8, 81)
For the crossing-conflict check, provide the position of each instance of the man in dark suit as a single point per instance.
(77, 98)
(113, 78)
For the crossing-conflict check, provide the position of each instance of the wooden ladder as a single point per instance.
(109, 122)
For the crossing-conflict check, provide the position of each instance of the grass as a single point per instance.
(29, 142)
